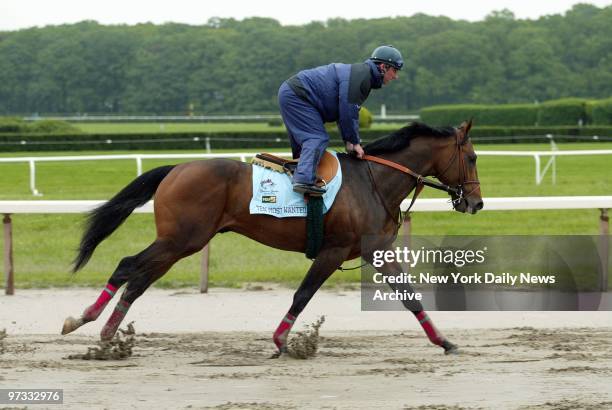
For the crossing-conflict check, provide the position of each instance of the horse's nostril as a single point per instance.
(479, 205)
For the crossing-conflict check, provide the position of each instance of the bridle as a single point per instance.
(422, 181)
(458, 191)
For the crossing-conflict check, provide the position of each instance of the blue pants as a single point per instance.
(306, 132)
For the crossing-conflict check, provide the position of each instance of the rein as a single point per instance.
(420, 179)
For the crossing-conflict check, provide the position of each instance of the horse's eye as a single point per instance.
(472, 158)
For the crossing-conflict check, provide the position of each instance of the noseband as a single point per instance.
(458, 190)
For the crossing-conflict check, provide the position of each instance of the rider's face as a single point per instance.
(389, 74)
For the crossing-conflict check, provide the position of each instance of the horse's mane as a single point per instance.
(401, 138)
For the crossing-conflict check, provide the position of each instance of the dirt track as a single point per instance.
(541, 367)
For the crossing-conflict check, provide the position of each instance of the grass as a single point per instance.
(44, 245)
(111, 128)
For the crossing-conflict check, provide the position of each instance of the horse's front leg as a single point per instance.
(416, 307)
(326, 263)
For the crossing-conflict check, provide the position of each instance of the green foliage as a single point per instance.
(568, 111)
(52, 127)
(17, 125)
(502, 135)
(510, 114)
(600, 112)
(573, 112)
(11, 124)
(230, 66)
(365, 118)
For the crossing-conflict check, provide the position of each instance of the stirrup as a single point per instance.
(310, 189)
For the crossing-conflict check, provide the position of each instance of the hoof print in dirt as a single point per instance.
(118, 348)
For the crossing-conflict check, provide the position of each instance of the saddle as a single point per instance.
(326, 171)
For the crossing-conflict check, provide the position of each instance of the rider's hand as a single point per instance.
(354, 149)
(358, 151)
(349, 147)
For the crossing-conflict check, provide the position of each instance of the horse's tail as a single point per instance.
(105, 219)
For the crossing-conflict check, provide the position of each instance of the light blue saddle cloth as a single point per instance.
(273, 193)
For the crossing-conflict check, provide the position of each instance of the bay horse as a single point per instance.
(196, 200)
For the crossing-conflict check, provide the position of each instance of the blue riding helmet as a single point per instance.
(388, 55)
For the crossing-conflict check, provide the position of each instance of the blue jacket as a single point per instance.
(337, 91)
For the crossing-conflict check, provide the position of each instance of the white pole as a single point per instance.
(33, 178)
(537, 169)
(138, 165)
(554, 169)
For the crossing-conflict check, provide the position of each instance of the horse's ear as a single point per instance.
(463, 131)
(468, 126)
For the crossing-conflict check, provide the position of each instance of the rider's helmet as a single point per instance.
(388, 55)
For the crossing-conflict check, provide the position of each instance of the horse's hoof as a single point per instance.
(450, 348)
(71, 324)
(275, 355)
(280, 352)
(106, 336)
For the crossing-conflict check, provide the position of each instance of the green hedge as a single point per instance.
(564, 112)
(509, 114)
(600, 112)
(504, 135)
(11, 124)
(569, 111)
(18, 125)
(365, 118)
(256, 140)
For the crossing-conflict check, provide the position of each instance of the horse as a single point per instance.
(196, 200)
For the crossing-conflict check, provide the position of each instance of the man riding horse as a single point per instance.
(330, 93)
(197, 200)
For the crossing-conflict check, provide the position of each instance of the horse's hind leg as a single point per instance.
(146, 267)
(140, 271)
(91, 313)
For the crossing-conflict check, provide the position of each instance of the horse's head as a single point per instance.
(455, 165)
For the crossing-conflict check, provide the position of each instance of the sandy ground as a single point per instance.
(211, 351)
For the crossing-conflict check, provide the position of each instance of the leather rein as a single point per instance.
(422, 181)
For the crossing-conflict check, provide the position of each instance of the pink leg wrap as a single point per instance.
(111, 326)
(433, 334)
(93, 311)
(282, 332)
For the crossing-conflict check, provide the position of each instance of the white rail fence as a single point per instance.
(139, 158)
(604, 203)
(136, 157)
